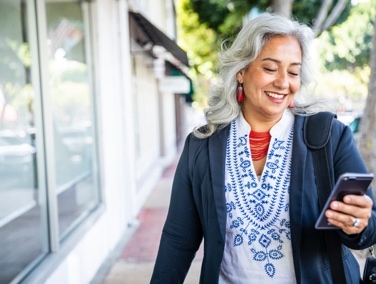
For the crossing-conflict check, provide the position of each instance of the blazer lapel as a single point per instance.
(298, 168)
(217, 151)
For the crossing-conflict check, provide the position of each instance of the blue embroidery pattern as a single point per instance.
(254, 207)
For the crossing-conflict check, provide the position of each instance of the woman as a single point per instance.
(245, 182)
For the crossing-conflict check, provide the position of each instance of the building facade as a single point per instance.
(92, 102)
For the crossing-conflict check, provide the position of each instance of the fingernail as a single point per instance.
(334, 205)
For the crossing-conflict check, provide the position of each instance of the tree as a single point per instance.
(346, 48)
(367, 139)
(350, 49)
(344, 54)
(282, 7)
(204, 24)
(212, 21)
(329, 14)
(199, 41)
(225, 17)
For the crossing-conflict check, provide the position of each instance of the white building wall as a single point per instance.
(169, 126)
(160, 13)
(147, 128)
(82, 263)
(137, 136)
(130, 113)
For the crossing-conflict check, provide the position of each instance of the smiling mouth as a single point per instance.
(275, 95)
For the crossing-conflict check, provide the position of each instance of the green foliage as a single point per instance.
(344, 52)
(226, 17)
(347, 46)
(210, 13)
(204, 24)
(222, 19)
(200, 43)
(222, 16)
(197, 39)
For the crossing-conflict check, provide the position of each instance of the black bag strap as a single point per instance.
(316, 136)
(317, 128)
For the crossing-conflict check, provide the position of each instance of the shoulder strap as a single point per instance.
(316, 135)
(317, 130)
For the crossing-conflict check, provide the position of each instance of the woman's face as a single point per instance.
(271, 81)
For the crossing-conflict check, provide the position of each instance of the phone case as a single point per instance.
(347, 183)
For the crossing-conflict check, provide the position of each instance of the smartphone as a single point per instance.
(347, 183)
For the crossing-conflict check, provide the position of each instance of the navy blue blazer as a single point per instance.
(198, 211)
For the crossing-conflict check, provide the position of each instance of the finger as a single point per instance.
(359, 200)
(352, 209)
(343, 220)
(339, 218)
(356, 222)
(350, 226)
(347, 213)
(356, 227)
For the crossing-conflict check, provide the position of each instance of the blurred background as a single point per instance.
(97, 97)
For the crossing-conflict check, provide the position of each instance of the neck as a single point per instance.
(260, 123)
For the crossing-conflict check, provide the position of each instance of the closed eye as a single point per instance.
(269, 69)
(294, 74)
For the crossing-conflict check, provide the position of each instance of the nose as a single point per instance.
(281, 81)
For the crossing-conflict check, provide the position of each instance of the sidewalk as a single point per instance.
(134, 262)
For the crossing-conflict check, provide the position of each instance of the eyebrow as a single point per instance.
(278, 61)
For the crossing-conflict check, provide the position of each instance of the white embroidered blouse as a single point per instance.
(258, 238)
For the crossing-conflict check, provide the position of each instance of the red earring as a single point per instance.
(240, 94)
(291, 105)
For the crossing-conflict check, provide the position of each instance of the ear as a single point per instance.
(239, 76)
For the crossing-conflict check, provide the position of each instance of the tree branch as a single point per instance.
(321, 16)
(282, 7)
(336, 12)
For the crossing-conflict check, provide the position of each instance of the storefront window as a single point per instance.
(41, 205)
(72, 110)
(23, 229)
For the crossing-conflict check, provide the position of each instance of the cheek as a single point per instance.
(260, 81)
(295, 86)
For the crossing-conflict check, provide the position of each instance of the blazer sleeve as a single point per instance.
(348, 159)
(182, 232)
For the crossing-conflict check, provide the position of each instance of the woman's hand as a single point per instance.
(352, 214)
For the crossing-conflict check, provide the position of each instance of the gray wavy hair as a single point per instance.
(223, 106)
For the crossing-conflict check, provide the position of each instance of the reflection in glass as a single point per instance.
(72, 104)
(22, 238)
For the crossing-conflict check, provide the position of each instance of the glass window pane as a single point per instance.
(23, 234)
(72, 109)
